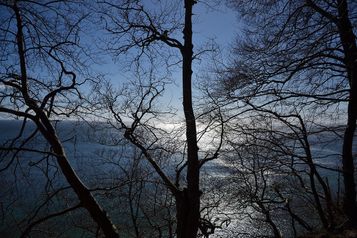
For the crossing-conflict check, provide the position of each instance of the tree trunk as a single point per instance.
(188, 200)
(84, 195)
(348, 40)
(43, 123)
(181, 213)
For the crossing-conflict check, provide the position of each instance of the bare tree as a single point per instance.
(303, 52)
(139, 27)
(39, 59)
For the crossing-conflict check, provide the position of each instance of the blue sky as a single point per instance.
(209, 23)
(219, 24)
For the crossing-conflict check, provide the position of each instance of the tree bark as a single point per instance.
(348, 40)
(188, 200)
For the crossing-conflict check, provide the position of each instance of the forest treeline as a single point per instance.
(263, 145)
